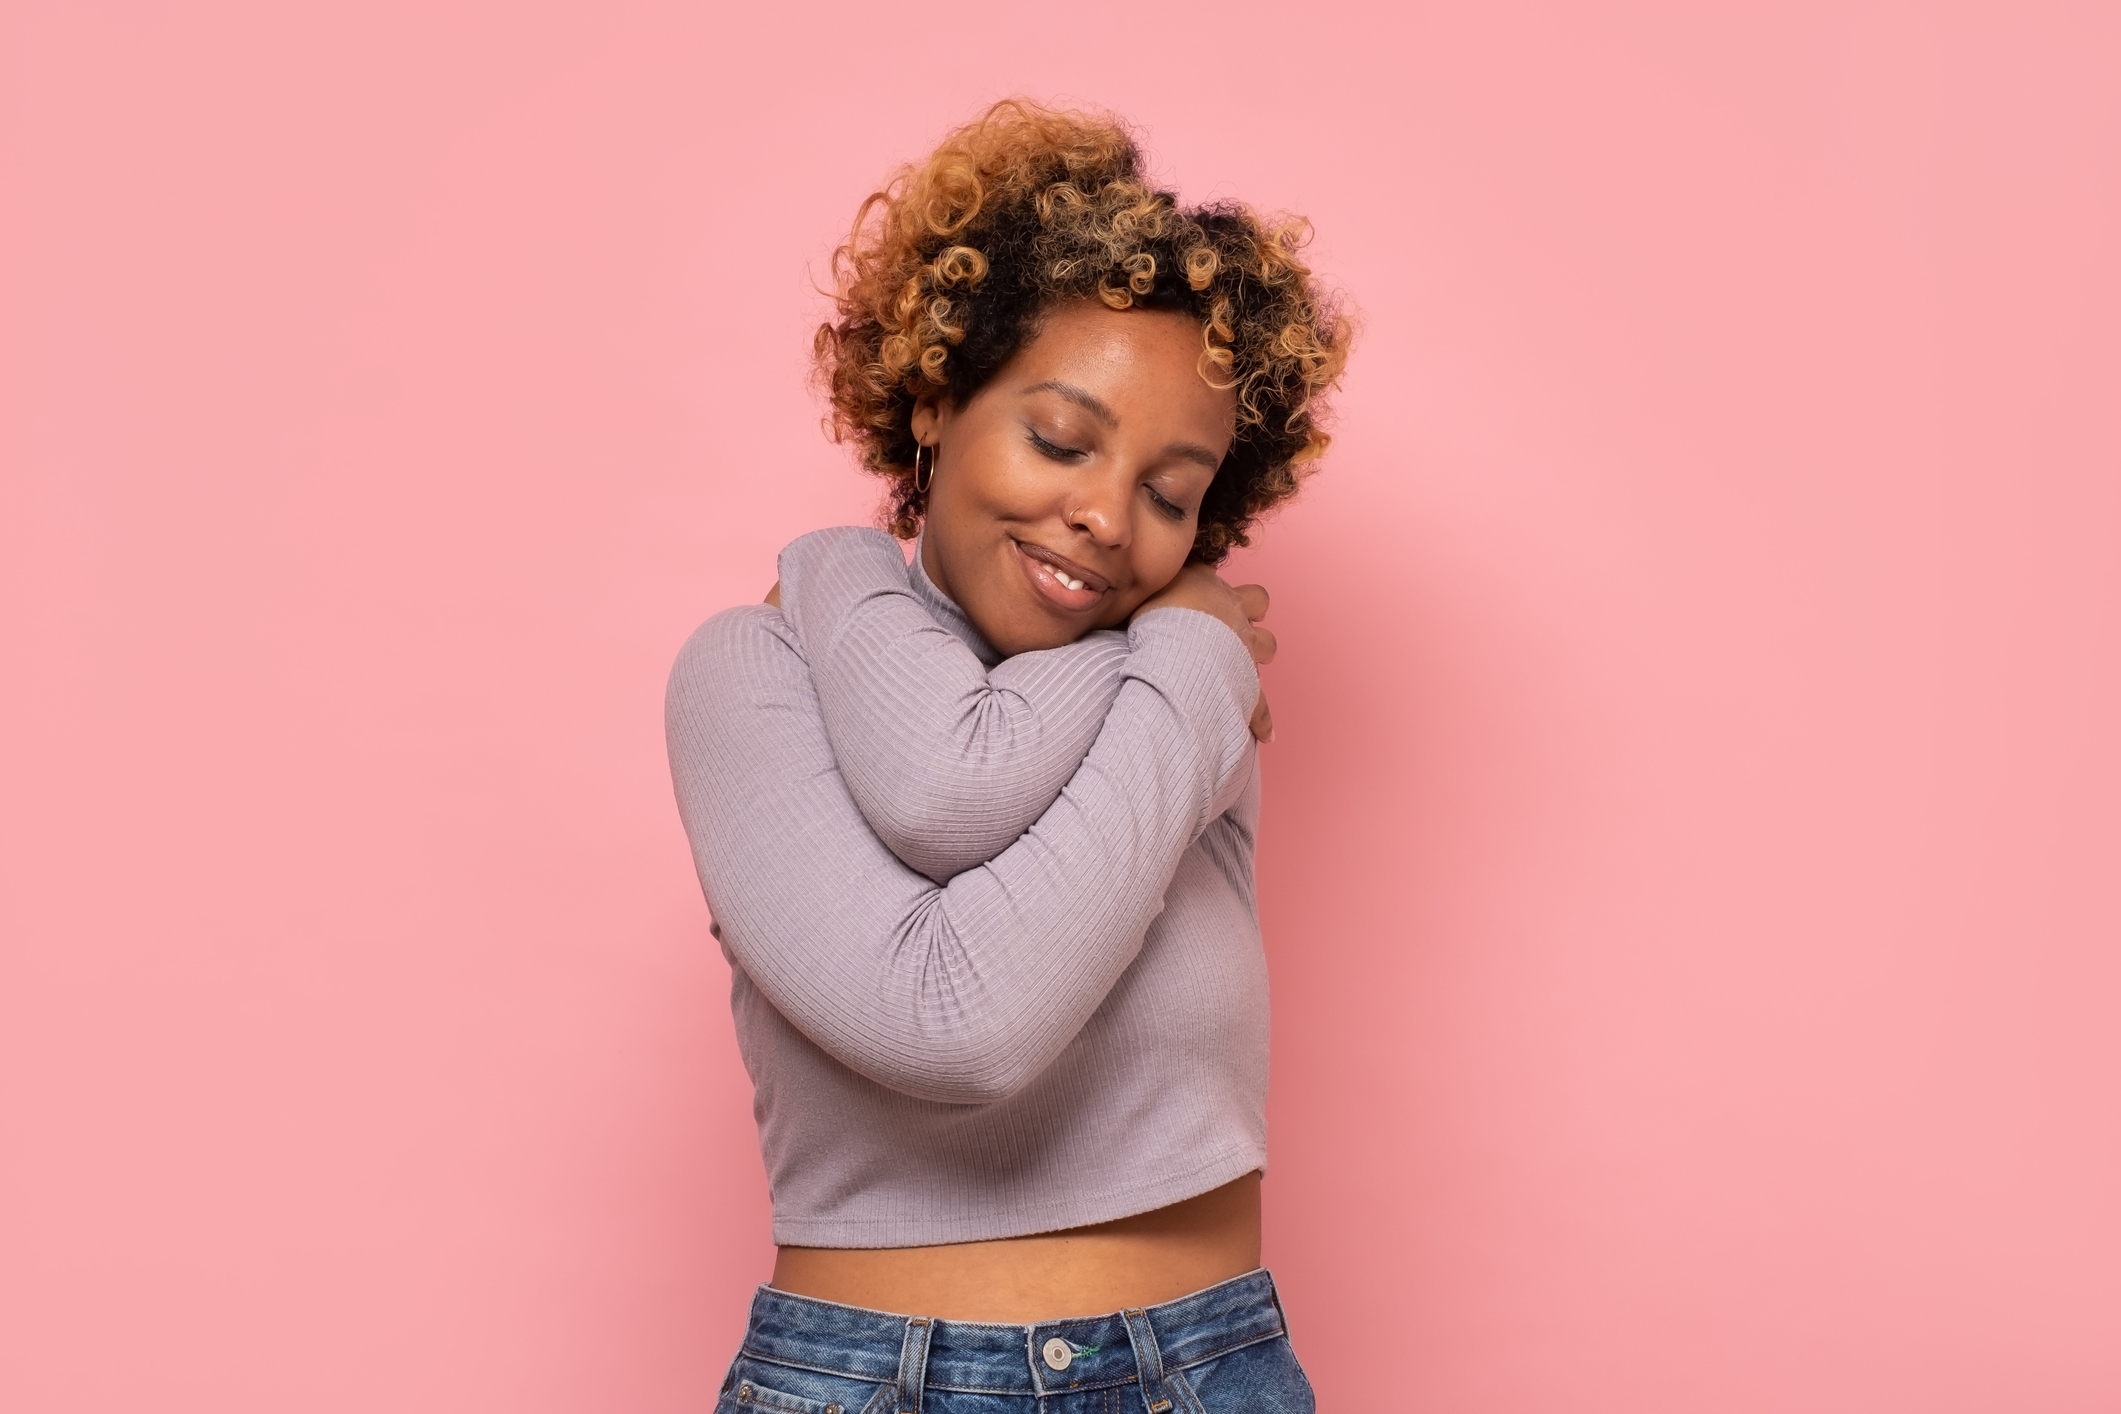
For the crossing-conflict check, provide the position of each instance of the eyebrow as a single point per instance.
(1101, 410)
(1194, 452)
(1082, 397)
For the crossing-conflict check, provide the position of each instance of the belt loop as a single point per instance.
(1279, 1309)
(913, 1365)
(1148, 1359)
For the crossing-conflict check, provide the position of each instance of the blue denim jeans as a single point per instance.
(1223, 1350)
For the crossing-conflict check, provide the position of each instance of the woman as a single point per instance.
(977, 830)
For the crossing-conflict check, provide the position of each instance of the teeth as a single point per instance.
(1061, 576)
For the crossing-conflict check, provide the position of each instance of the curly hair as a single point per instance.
(951, 265)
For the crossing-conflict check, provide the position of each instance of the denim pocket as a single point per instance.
(757, 1396)
(756, 1387)
(1261, 1378)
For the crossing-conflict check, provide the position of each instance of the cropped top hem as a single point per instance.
(1074, 1210)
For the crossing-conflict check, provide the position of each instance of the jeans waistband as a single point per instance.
(916, 1352)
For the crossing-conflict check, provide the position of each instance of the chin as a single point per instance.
(1023, 631)
(1030, 639)
(1015, 620)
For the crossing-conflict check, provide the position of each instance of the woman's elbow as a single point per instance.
(941, 834)
(970, 1071)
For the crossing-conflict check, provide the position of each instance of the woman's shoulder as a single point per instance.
(748, 646)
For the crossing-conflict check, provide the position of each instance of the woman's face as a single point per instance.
(1067, 491)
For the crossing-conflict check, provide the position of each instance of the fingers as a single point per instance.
(1263, 645)
(1254, 599)
(1199, 587)
(1262, 721)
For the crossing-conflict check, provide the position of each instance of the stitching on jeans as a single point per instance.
(781, 1402)
(788, 1364)
(881, 1401)
(1051, 1391)
(1085, 1388)
(1118, 1382)
(1079, 1388)
(911, 1384)
(1193, 1360)
(1146, 1335)
(780, 1295)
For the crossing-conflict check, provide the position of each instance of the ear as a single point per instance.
(931, 411)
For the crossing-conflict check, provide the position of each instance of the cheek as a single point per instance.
(1002, 476)
(979, 489)
(1160, 550)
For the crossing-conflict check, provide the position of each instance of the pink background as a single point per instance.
(1690, 869)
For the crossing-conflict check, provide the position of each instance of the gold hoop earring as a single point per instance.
(923, 475)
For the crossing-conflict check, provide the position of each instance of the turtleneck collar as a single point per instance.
(946, 613)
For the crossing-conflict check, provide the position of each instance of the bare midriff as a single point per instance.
(1082, 1271)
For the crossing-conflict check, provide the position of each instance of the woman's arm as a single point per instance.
(961, 992)
(949, 760)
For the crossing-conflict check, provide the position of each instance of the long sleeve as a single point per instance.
(959, 992)
(950, 757)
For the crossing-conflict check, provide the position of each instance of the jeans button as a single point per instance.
(1059, 1354)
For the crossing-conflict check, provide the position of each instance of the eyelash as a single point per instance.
(1071, 455)
(1054, 450)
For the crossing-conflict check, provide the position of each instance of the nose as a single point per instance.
(1102, 510)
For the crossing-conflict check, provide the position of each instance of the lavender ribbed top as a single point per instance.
(994, 956)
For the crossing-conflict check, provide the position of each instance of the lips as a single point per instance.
(1059, 580)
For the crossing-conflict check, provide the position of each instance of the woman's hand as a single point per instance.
(1242, 607)
(773, 595)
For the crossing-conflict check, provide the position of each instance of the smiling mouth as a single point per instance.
(1059, 580)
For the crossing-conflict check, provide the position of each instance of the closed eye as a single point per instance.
(1054, 450)
(1165, 504)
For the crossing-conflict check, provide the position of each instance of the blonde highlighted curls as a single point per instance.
(948, 269)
